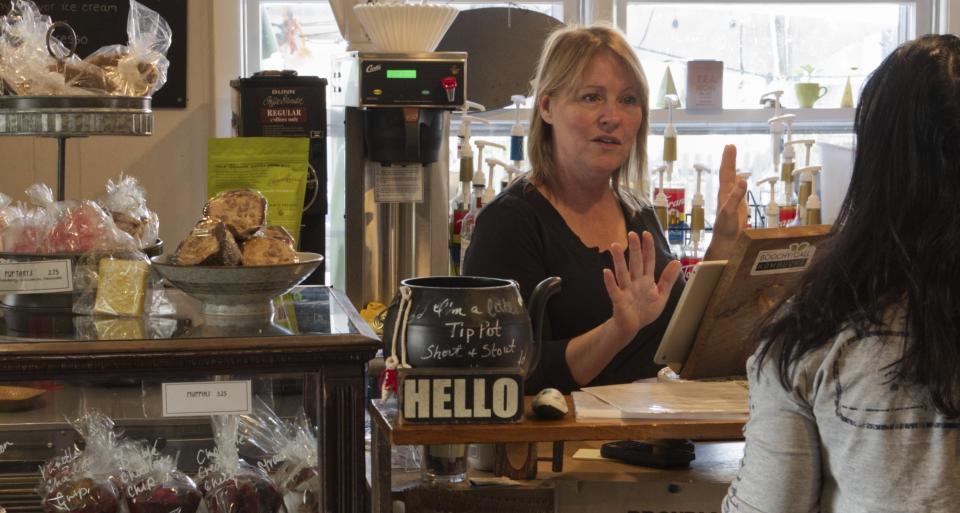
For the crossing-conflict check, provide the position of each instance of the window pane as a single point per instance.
(299, 36)
(765, 46)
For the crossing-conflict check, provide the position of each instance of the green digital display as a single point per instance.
(401, 73)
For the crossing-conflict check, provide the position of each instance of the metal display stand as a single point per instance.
(63, 117)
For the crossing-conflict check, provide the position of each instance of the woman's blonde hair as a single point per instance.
(565, 56)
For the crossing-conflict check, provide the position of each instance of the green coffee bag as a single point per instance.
(275, 166)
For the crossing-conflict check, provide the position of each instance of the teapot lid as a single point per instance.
(457, 282)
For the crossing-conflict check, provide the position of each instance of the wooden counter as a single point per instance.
(532, 429)
(387, 432)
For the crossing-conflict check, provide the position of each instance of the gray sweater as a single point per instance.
(845, 437)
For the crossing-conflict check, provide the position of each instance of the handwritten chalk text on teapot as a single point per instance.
(492, 350)
(459, 330)
(447, 307)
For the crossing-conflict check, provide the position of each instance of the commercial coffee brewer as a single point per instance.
(391, 155)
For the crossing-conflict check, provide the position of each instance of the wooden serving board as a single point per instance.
(765, 267)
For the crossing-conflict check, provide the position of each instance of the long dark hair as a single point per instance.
(896, 241)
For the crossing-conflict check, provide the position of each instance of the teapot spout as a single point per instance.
(538, 305)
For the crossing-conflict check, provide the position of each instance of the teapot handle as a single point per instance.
(538, 305)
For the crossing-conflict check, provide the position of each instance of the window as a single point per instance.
(302, 36)
(766, 46)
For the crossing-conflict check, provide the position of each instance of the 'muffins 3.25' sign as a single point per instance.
(468, 396)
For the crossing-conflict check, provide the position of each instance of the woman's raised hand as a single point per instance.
(638, 299)
(731, 209)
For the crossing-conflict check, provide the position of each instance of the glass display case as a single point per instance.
(311, 355)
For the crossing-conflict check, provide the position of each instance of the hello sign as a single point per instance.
(452, 396)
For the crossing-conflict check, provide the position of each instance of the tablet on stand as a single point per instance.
(713, 329)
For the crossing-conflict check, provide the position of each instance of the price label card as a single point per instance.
(36, 277)
(206, 398)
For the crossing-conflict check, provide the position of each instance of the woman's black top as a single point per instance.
(520, 236)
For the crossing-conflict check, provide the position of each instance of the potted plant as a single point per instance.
(809, 92)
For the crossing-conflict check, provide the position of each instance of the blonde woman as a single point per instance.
(571, 216)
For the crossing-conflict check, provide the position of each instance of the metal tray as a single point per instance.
(75, 116)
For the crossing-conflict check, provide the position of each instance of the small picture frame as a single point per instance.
(704, 85)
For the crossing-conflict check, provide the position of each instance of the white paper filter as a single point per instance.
(398, 27)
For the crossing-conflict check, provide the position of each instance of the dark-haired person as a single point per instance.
(573, 216)
(855, 388)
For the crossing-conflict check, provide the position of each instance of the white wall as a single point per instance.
(171, 163)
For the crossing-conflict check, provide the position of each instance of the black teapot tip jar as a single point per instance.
(466, 322)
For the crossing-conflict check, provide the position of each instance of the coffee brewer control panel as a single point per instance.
(427, 80)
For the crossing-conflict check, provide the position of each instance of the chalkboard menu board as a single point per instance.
(104, 22)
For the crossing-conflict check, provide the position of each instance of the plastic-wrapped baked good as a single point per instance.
(243, 210)
(270, 245)
(249, 491)
(121, 287)
(82, 495)
(154, 485)
(177, 495)
(140, 67)
(136, 69)
(287, 451)
(231, 485)
(85, 482)
(126, 200)
(209, 243)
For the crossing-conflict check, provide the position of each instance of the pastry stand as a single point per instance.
(63, 117)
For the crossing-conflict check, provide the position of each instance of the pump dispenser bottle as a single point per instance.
(804, 188)
(461, 205)
(511, 173)
(772, 212)
(693, 253)
(811, 204)
(674, 189)
(776, 125)
(808, 144)
(788, 207)
(470, 219)
(517, 133)
(670, 133)
(660, 203)
(481, 144)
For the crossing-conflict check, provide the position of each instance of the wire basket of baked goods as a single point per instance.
(232, 261)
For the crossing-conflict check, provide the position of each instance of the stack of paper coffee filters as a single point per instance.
(402, 27)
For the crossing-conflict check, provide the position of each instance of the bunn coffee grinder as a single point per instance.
(282, 104)
(395, 113)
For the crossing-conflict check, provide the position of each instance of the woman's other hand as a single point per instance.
(731, 209)
(638, 299)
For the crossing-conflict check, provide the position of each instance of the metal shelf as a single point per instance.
(727, 121)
